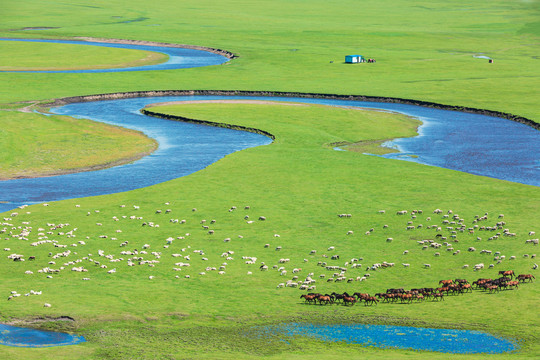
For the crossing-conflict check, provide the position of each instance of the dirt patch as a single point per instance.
(38, 320)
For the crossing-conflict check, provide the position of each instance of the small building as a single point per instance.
(353, 59)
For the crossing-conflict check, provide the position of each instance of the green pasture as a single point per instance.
(424, 51)
(56, 144)
(300, 186)
(17, 56)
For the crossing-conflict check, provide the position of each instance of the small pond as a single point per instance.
(401, 337)
(25, 337)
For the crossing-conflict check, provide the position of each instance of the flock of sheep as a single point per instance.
(442, 233)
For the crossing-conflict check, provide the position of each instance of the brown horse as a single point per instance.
(446, 282)
(437, 296)
(324, 299)
(349, 300)
(507, 273)
(309, 298)
(523, 277)
(513, 283)
(361, 296)
(370, 300)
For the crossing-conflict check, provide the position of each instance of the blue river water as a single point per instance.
(402, 337)
(466, 142)
(178, 58)
(24, 337)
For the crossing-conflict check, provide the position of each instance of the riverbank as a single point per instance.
(151, 93)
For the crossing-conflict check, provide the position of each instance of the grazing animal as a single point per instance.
(523, 277)
(349, 300)
(507, 273)
(371, 300)
(310, 298)
(446, 282)
(326, 299)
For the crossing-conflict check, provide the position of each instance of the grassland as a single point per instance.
(423, 50)
(24, 56)
(54, 145)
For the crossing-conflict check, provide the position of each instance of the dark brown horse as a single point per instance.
(523, 277)
(437, 296)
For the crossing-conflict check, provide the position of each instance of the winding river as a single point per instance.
(179, 58)
(466, 142)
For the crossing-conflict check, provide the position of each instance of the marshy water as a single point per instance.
(400, 337)
(25, 337)
(472, 143)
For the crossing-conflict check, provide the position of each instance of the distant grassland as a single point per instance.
(424, 50)
(20, 56)
(53, 145)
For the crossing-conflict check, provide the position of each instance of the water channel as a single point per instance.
(466, 142)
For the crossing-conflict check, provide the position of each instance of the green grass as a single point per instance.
(17, 56)
(424, 51)
(58, 144)
(208, 313)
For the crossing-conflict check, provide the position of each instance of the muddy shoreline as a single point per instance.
(158, 93)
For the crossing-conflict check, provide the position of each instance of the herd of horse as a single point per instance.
(445, 287)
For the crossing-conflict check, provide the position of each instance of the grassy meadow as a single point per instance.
(424, 51)
(15, 57)
(58, 144)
